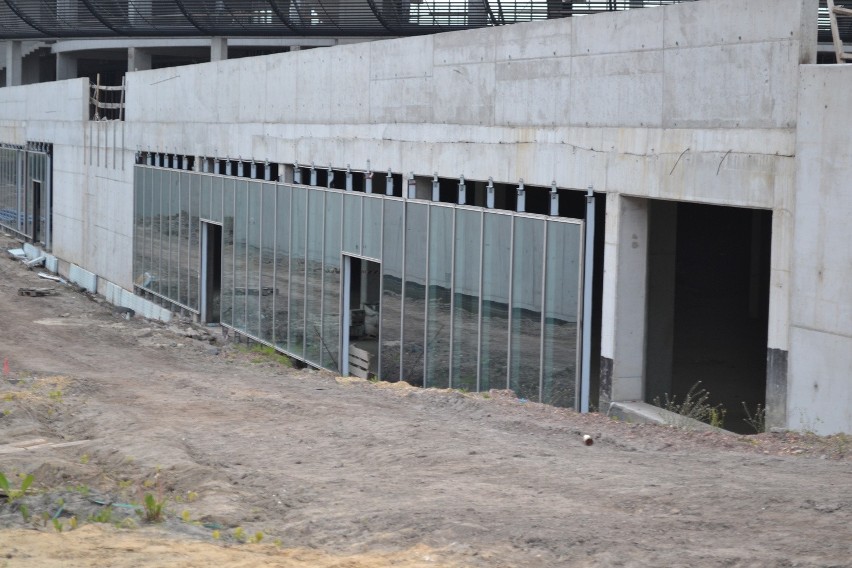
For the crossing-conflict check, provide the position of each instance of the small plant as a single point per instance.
(153, 509)
(258, 536)
(55, 395)
(277, 542)
(13, 494)
(72, 523)
(185, 516)
(757, 420)
(373, 379)
(216, 534)
(25, 513)
(694, 406)
(57, 525)
(102, 516)
(84, 459)
(239, 534)
(486, 395)
(191, 496)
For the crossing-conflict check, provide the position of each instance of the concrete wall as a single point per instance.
(820, 362)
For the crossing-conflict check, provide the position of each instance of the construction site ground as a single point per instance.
(260, 464)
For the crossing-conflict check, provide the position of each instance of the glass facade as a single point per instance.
(470, 298)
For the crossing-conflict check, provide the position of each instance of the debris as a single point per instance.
(36, 292)
(35, 262)
(16, 253)
(588, 440)
(142, 333)
(65, 315)
(5, 365)
(51, 277)
(126, 313)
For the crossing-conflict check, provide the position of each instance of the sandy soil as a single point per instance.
(342, 472)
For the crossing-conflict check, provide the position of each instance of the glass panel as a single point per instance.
(173, 222)
(298, 228)
(527, 276)
(352, 223)
(372, 227)
(466, 299)
(138, 216)
(496, 253)
(194, 260)
(253, 287)
(241, 207)
(184, 237)
(216, 199)
(391, 306)
(148, 238)
(157, 228)
(267, 262)
(331, 286)
(414, 300)
(313, 293)
(440, 289)
(206, 191)
(227, 298)
(561, 292)
(282, 266)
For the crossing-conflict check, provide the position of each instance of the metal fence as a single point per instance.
(25, 191)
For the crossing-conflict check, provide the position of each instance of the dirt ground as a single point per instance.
(260, 464)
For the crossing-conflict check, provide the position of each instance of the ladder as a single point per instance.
(833, 12)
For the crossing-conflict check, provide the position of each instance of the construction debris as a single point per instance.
(36, 292)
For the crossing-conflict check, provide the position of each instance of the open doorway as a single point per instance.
(708, 305)
(361, 308)
(211, 272)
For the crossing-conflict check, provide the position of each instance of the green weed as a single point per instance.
(153, 509)
(13, 494)
(695, 405)
(757, 420)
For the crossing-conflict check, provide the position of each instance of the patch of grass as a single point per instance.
(57, 525)
(25, 513)
(266, 354)
(757, 420)
(695, 406)
(12, 494)
(84, 459)
(240, 534)
(153, 509)
(102, 516)
(258, 536)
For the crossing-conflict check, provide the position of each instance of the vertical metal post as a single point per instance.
(253, 170)
(348, 178)
(368, 179)
(554, 200)
(543, 305)
(389, 183)
(511, 299)
(329, 177)
(240, 170)
(522, 197)
(313, 175)
(347, 279)
(436, 188)
(452, 295)
(489, 194)
(297, 175)
(479, 309)
(411, 192)
(462, 191)
(267, 172)
(588, 267)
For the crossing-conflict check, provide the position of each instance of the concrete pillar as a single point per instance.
(624, 300)
(662, 253)
(13, 63)
(138, 59)
(218, 48)
(66, 66)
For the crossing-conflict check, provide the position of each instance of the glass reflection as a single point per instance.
(282, 266)
(466, 299)
(494, 341)
(267, 261)
(527, 254)
(313, 292)
(414, 302)
(391, 302)
(298, 228)
(438, 304)
(331, 283)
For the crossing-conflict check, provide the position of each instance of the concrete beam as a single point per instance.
(70, 45)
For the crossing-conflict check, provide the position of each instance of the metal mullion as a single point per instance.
(426, 295)
(381, 284)
(344, 316)
(479, 309)
(452, 296)
(233, 245)
(322, 279)
(289, 261)
(511, 305)
(48, 190)
(160, 237)
(180, 232)
(274, 333)
(542, 318)
(305, 289)
(260, 260)
(246, 256)
(403, 289)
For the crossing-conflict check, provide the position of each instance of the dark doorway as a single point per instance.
(362, 297)
(211, 272)
(708, 304)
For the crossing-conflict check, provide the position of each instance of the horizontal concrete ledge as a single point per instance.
(65, 46)
(644, 413)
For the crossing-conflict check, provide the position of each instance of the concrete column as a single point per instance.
(138, 59)
(662, 253)
(623, 303)
(13, 63)
(218, 48)
(66, 66)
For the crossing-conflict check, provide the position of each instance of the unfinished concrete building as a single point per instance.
(589, 211)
